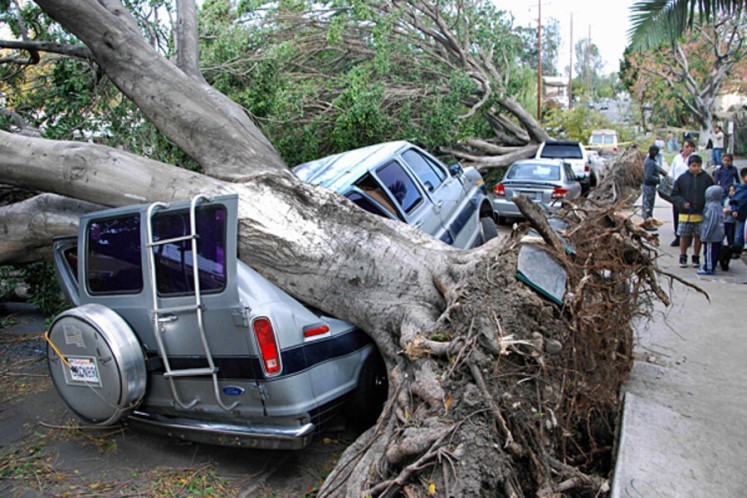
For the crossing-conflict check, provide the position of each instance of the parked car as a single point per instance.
(574, 154)
(604, 141)
(173, 333)
(545, 181)
(400, 181)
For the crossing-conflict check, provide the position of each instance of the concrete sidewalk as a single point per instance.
(684, 429)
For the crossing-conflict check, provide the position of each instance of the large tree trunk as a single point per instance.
(493, 389)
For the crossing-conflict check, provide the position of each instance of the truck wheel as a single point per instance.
(488, 228)
(365, 404)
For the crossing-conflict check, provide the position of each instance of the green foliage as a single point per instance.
(69, 99)
(576, 123)
(44, 291)
(324, 83)
(661, 22)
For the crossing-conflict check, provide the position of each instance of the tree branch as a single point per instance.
(77, 51)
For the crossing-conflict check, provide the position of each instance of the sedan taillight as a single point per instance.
(558, 193)
(268, 347)
(500, 190)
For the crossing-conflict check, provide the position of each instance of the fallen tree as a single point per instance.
(494, 389)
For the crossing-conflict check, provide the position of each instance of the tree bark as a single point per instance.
(224, 141)
(28, 227)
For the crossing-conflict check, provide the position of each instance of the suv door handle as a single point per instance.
(167, 318)
(418, 224)
(440, 203)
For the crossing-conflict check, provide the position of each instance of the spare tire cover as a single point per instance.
(103, 376)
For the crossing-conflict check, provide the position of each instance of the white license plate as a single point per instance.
(84, 370)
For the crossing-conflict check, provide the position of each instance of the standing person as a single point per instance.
(726, 175)
(712, 229)
(689, 196)
(670, 142)
(650, 181)
(738, 207)
(659, 142)
(730, 228)
(718, 145)
(679, 166)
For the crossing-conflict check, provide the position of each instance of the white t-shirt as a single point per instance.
(718, 140)
(679, 166)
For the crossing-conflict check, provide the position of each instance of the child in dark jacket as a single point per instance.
(738, 206)
(712, 229)
(688, 195)
(730, 229)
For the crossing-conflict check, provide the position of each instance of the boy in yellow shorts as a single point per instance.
(688, 195)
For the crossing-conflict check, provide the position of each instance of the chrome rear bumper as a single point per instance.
(269, 437)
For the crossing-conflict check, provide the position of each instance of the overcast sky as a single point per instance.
(609, 21)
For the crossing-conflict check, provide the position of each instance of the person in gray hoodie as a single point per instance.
(712, 229)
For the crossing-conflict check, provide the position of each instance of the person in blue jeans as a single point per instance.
(718, 145)
(738, 210)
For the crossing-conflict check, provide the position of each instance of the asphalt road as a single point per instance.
(43, 452)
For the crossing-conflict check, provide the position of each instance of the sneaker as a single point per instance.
(703, 271)
(696, 261)
(675, 242)
(724, 264)
(683, 260)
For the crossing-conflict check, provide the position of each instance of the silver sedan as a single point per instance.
(545, 181)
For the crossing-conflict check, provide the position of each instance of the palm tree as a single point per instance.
(655, 22)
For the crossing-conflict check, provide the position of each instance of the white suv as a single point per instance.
(574, 154)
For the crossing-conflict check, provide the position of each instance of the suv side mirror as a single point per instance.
(456, 169)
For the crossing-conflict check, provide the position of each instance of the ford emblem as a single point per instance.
(233, 391)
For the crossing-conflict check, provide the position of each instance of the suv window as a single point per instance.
(570, 175)
(113, 261)
(400, 185)
(174, 272)
(562, 151)
(365, 204)
(373, 189)
(430, 175)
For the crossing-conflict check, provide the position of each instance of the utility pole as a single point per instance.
(570, 70)
(539, 60)
(588, 63)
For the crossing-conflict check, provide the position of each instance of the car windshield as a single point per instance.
(609, 139)
(562, 151)
(547, 172)
(596, 139)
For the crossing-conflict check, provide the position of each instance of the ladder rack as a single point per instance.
(158, 312)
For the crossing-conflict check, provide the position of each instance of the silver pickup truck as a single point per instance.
(401, 181)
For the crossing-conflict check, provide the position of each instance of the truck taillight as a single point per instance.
(558, 193)
(314, 330)
(500, 190)
(268, 346)
(587, 168)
